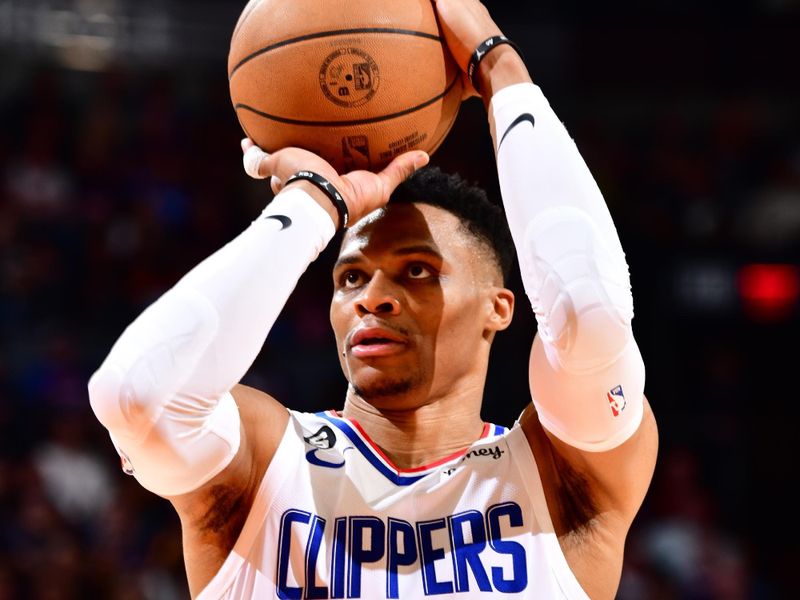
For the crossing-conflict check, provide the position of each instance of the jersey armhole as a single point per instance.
(278, 471)
(528, 469)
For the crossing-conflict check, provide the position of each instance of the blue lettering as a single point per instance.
(359, 554)
(338, 556)
(396, 558)
(429, 555)
(313, 591)
(483, 554)
(284, 590)
(519, 579)
(466, 553)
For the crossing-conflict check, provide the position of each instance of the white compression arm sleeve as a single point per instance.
(587, 375)
(163, 390)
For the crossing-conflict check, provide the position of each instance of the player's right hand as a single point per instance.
(363, 191)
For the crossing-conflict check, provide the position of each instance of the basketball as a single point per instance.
(357, 82)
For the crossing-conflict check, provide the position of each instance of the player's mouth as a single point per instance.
(374, 342)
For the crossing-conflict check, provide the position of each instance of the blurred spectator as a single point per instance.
(74, 479)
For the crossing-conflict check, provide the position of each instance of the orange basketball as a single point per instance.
(356, 81)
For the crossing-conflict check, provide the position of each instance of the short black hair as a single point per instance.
(478, 214)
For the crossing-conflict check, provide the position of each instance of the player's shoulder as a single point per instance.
(261, 412)
(246, 395)
(263, 421)
(259, 409)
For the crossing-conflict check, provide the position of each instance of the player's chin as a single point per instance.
(375, 384)
(372, 372)
(384, 393)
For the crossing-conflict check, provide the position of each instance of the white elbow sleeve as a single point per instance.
(579, 289)
(587, 375)
(594, 411)
(171, 442)
(163, 392)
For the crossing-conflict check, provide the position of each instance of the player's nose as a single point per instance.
(379, 296)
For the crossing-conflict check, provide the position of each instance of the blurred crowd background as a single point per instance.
(120, 169)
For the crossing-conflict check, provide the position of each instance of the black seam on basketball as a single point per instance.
(348, 123)
(322, 34)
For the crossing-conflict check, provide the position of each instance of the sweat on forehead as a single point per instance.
(405, 223)
(401, 228)
(480, 216)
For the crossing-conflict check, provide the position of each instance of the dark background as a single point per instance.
(120, 169)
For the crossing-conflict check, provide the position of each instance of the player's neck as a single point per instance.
(420, 436)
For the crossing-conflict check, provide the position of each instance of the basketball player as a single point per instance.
(405, 492)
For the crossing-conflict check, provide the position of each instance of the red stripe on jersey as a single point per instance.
(376, 449)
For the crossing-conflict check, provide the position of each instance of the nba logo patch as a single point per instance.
(617, 400)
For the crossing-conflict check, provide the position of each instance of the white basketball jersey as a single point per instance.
(333, 518)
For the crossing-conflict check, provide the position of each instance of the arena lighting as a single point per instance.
(92, 35)
(769, 292)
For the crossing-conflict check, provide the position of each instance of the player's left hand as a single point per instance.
(465, 24)
(363, 191)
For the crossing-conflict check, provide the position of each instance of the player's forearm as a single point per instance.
(556, 211)
(574, 272)
(165, 382)
(249, 281)
(501, 68)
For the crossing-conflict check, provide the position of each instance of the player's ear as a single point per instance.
(501, 310)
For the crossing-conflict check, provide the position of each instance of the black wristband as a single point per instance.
(481, 52)
(327, 187)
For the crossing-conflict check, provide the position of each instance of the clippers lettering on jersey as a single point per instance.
(466, 552)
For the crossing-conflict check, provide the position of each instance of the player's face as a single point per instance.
(414, 305)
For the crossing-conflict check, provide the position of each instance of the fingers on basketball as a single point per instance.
(357, 83)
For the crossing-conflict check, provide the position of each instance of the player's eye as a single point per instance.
(419, 271)
(351, 279)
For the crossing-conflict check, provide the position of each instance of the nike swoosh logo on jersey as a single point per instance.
(285, 221)
(520, 119)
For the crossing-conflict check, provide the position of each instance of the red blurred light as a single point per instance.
(769, 292)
